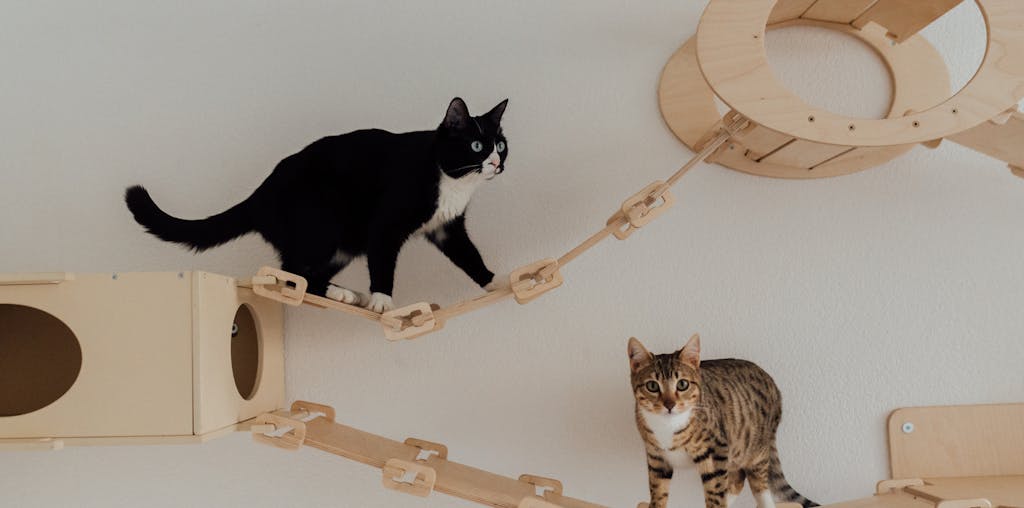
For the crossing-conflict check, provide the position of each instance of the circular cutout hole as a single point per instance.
(830, 70)
(245, 352)
(40, 359)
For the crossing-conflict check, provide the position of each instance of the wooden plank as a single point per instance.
(838, 11)
(999, 490)
(904, 18)
(894, 500)
(805, 154)
(786, 10)
(935, 442)
(1003, 142)
(452, 478)
(761, 141)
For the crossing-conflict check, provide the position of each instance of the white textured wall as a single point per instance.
(897, 286)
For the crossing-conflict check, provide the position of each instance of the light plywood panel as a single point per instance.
(805, 154)
(838, 11)
(786, 10)
(1004, 491)
(217, 400)
(904, 18)
(135, 332)
(986, 440)
(1003, 142)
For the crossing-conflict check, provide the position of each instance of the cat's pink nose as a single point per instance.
(494, 161)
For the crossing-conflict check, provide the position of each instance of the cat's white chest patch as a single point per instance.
(452, 200)
(664, 428)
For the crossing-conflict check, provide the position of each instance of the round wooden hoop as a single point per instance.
(919, 81)
(733, 60)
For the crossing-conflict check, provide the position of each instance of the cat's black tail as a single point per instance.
(781, 489)
(198, 235)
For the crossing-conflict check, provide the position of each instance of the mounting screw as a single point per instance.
(908, 428)
(916, 123)
(853, 127)
(181, 275)
(810, 118)
(114, 276)
(955, 111)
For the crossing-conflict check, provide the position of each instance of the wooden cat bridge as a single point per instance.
(770, 131)
(203, 353)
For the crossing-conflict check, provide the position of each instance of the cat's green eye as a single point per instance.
(500, 146)
(477, 146)
(653, 387)
(682, 385)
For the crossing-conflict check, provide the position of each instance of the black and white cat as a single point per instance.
(365, 192)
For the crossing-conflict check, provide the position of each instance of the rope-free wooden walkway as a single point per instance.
(527, 282)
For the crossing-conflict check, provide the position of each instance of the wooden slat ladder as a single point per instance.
(414, 466)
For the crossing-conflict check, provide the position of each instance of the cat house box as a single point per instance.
(135, 357)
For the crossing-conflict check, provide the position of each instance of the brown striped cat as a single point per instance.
(718, 414)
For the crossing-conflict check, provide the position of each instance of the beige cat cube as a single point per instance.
(134, 357)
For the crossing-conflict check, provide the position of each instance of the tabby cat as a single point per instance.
(718, 414)
(361, 193)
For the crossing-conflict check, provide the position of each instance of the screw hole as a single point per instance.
(955, 111)
(853, 127)
(810, 118)
(916, 123)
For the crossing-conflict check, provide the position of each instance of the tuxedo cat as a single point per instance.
(361, 193)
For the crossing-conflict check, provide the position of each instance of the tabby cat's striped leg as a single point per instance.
(758, 477)
(715, 477)
(659, 473)
(736, 479)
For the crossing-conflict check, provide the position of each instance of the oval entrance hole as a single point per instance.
(245, 352)
(40, 359)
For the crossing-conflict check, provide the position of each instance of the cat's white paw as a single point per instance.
(380, 302)
(500, 281)
(345, 295)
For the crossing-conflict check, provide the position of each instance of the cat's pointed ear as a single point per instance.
(457, 116)
(638, 355)
(494, 115)
(690, 354)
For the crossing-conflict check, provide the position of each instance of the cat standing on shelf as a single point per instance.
(361, 193)
(718, 414)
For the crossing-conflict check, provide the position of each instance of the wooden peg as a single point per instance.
(313, 407)
(887, 486)
(410, 321)
(292, 439)
(535, 279)
(440, 449)
(421, 486)
(279, 290)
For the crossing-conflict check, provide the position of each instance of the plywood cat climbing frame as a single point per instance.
(134, 358)
(792, 139)
(771, 132)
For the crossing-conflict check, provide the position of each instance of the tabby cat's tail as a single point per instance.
(782, 491)
(198, 235)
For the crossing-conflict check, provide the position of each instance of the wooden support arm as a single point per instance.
(1002, 138)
